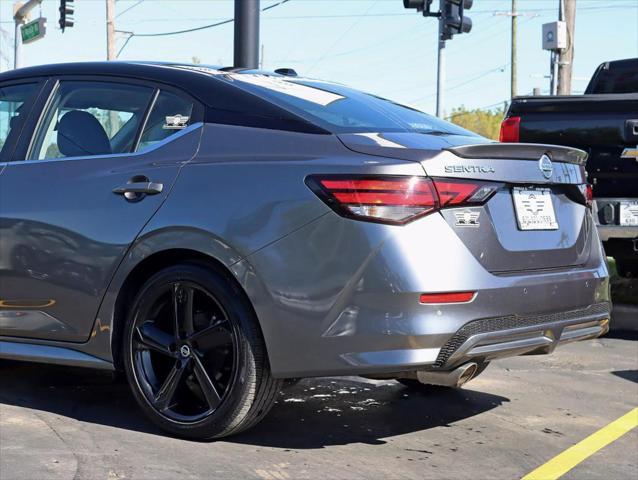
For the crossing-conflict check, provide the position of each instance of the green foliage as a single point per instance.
(483, 122)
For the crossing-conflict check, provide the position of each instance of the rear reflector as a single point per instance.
(450, 297)
(510, 130)
(397, 199)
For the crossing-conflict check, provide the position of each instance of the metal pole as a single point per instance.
(440, 74)
(110, 30)
(246, 51)
(261, 58)
(566, 56)
(17, 46)
(513, 61)
(552, 72)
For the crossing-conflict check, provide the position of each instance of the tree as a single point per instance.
(483, 122)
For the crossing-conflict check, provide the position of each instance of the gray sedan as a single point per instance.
(213, 232)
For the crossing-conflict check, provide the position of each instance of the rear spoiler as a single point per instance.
(520, 151)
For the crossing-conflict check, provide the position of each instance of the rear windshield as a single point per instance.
(617, 77)
(340, 109)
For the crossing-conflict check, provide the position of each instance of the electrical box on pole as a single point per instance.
(554, 35)
(554, 40)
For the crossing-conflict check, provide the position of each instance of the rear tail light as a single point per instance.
(510, 130)
(396, 200)
(587, 192)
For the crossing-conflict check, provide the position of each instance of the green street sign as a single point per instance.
(34, 30)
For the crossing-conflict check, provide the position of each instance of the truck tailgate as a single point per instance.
(602, 125)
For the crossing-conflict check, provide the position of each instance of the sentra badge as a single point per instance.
(468, 169)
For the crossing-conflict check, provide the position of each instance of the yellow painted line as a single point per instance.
(564, 462)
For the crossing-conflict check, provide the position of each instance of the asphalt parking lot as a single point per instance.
(62, 423)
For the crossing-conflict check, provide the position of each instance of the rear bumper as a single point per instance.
(341, 297)
(492, 338)
(607, 232)
(612, 230)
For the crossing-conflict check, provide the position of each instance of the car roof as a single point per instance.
(160, 71)
(229, 103)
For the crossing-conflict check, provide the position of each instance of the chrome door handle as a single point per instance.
(148, 188)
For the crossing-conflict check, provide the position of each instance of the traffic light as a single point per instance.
(454, 19)
(66, 10)
(419, 5)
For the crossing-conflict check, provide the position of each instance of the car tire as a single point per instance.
(415, 385)
(194, 354)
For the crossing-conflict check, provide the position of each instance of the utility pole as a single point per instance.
(566, 55)
(440, 71)
(110, 30)
(513, 61)
(246, 48)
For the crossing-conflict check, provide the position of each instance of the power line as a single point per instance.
(188, 30)
(468, 81)
(629, 4)
(129, 8)
(342, 36)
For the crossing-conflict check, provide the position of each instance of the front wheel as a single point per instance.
(194, 354)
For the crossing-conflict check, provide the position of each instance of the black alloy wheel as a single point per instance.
(195, 358)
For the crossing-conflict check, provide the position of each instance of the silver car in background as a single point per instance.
(212, 232)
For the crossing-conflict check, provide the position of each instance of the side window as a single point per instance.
(12, 99)
(170, 114)
(91, 118)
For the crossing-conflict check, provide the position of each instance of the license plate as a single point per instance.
(629, 212)
(534, 209)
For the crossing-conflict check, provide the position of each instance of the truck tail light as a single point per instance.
(396, 200)
(589, 195)
(510, 130)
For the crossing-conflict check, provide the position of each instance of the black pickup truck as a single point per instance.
(604, 123)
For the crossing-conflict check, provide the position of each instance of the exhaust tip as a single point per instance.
(467, 374)
(454, 378)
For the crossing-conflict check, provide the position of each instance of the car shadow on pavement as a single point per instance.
(315, 413)
(623, 334)
(83, 394)
(631, 375)
(336, 411)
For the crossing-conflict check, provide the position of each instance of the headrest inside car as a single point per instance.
(80, 134)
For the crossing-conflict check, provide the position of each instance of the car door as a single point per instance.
(98, 163)
(16, 102)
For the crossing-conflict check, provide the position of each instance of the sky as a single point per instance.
(373, 45)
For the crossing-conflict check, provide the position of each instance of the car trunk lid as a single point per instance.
(495, 232)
